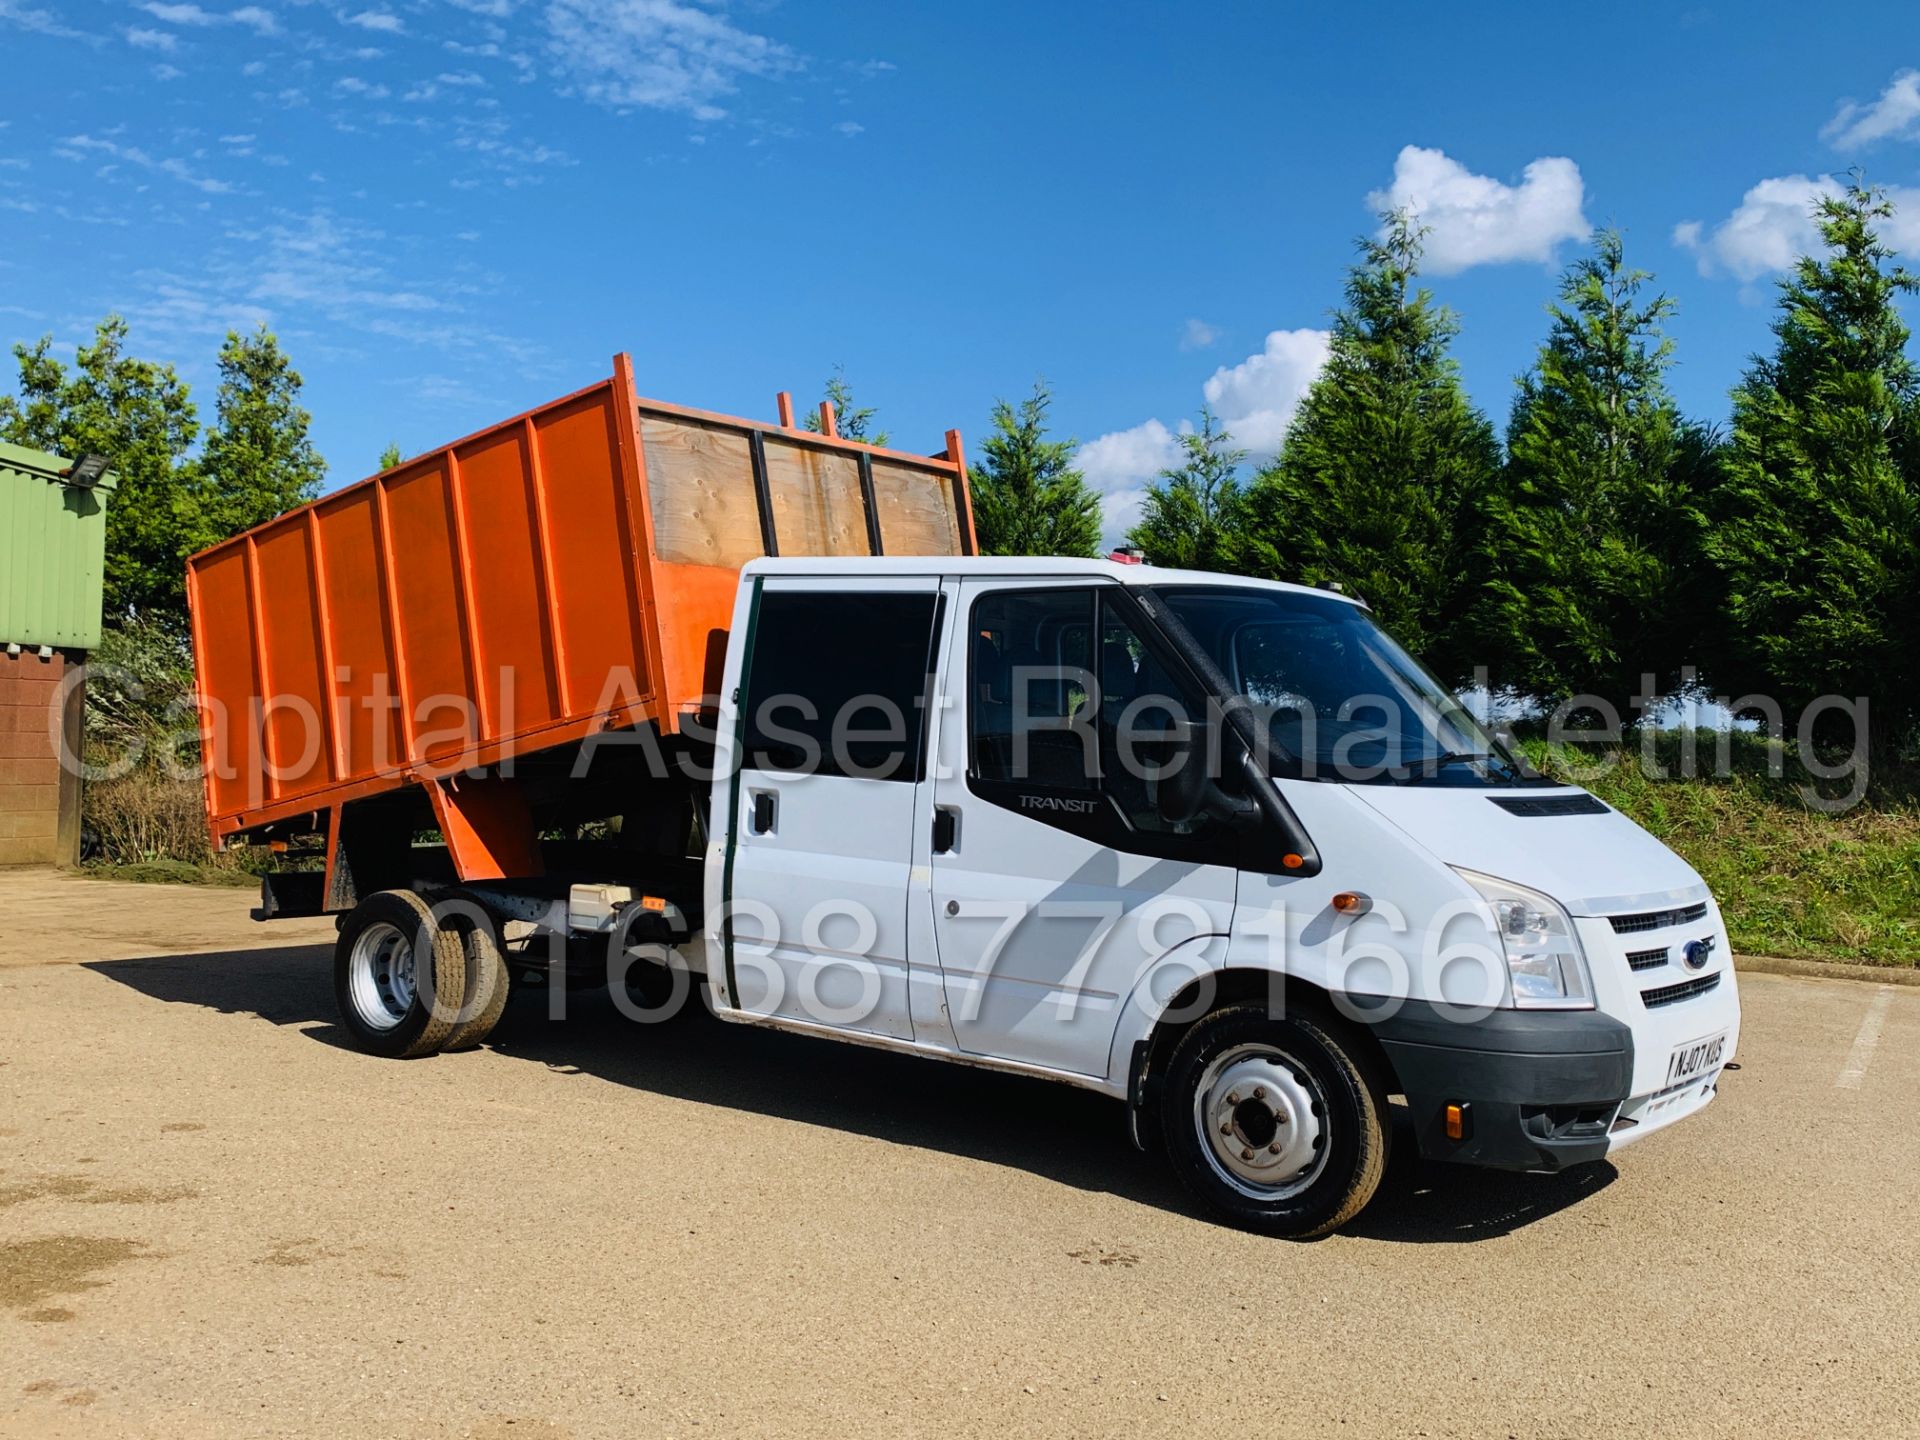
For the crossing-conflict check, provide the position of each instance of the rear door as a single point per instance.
(831, 716)
(1055, 880)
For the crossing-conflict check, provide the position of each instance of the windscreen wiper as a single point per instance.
(1433, 764)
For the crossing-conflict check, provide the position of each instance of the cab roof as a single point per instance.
(1037, 567)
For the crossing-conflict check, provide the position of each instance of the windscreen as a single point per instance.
(1334, 691)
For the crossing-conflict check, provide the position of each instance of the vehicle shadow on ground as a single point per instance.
(1070, 1136)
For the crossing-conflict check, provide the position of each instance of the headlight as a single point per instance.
(1545, 967)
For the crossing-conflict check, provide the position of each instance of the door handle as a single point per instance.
(946, 829)
(763, 812)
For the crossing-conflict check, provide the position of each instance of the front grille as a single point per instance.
(1646, 959)
(1674, 994)
(1657, 919)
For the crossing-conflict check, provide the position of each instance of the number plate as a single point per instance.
(1694, 1059)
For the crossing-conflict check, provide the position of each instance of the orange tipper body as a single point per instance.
(564, 572)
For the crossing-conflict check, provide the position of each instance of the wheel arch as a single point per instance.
(1149, 1030)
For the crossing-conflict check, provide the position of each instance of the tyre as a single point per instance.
(655, 988)
(485, 995)
(399, 976)
(1275, 1124)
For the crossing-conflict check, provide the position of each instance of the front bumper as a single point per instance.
(1545, 1089)
(1540, 1088)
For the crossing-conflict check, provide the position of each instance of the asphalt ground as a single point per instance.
(215, 1219)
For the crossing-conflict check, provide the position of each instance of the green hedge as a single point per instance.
(1792, 879)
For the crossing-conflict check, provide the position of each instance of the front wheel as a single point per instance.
(1274, 1123)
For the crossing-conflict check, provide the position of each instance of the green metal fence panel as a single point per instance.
(53, 542)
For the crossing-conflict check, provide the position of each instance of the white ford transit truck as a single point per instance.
(1316, 882)
(560, 701)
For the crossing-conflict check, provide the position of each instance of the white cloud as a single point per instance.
(1198, 335)
(1773, 226)
(1894, 116)
(1255, 399)
(659, 54)
(164, 73)
(1120, 464)
(333, 278)
(850, 128)
(82, 147)
(260, 21)
(43, 22)
(181, 14)
(459, 77)
(491, 50)
(329, 263)
(1476, 220)
(151, 39)
(354, 85)
(383, 21)
(1128, 457)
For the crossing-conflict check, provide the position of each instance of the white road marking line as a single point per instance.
(1865, 1041)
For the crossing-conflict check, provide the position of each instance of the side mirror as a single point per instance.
(1186, 792)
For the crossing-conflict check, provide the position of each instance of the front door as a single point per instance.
(1056, 881)
(831, 717)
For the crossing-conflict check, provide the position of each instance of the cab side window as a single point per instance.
(1029, 687)
(839, 683)
(1070, 712)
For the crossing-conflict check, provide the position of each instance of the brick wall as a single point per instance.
(39, 800)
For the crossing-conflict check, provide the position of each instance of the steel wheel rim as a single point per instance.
(1261, 1119)
(381, 975)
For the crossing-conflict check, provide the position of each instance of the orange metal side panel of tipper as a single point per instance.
(567, 571)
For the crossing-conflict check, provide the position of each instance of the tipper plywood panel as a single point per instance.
(566, 571)
(818, 508)
(916, 519)
(700, 515)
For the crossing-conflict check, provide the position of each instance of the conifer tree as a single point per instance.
(1027, 497)
(853, 422)
(1192, 511)
(1593, 538)
(1383, 464)
(1817, 537)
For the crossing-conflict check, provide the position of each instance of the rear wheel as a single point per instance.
(485, 995)
(400, 979)
(1275, 1123)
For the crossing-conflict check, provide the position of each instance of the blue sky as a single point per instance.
(451, 211)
